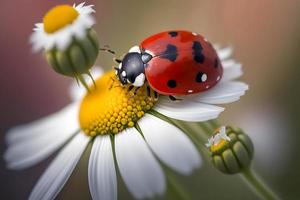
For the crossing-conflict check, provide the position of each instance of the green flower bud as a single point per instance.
(231, 150)
(78, 58)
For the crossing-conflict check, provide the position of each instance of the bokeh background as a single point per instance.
(266, 39)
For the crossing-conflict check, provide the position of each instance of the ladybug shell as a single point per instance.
(183, 63)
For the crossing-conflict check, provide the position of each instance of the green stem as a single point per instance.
(198, 136)
(205, 127)
(83, 82)
(215, 124)
(257, 185)
(175, 187)
(248, 174)
(90, 75)
(192, 131)
(199, 133)
(199, 140)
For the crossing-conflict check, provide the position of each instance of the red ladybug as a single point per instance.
(173, 63)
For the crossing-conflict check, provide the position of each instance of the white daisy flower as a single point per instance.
(118, 125)
(59, 31)
(69, 42)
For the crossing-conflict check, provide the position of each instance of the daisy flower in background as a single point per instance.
(69, 42)
(58, 32)
(119, 125)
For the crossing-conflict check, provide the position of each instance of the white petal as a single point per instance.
(77, 92)
(170, 144)
(139, 169)
(187, 110)
(232, 70)
(62, 38)
(59, 171)
(224, 53)
(28, 144)
(224, 92)
(102, 172)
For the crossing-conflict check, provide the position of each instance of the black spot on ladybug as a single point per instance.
(197, 46)
(172, 83)
(197, 52)
(170, 53)
(173, 33)
(216, 63)
(201, 77)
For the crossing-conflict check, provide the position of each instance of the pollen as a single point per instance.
(59, 17)
(110, 108)
(216, 147)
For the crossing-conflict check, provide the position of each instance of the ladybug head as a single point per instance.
(131, 69)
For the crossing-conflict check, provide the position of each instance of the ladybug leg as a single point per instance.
(136, 90)
(148, 89)
(172, 98)
(111, 83)
(129, 88)
(155, 95)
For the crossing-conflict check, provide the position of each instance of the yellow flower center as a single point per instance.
(110, 108)
(59, 17)
(222, 143)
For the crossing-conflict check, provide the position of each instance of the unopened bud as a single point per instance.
(231, 150)
(77, 58)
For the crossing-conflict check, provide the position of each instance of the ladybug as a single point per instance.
(173, 63)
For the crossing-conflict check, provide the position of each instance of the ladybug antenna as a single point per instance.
(111, 83)
(107, 49)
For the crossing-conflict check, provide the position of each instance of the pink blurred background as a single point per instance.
(264, 34)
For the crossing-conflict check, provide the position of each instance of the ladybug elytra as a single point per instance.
(172, 63)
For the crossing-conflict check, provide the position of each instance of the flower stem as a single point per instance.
(198, 136)
(248, 174)
(199, 133)
(214, 123)
(92, 78)
(83, 82)
(175, 187)
(257, 185)
(192, 131)
(198, 139)
(185, 127)
(205, 126)
(203, 129)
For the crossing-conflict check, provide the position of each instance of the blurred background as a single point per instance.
(264, 34)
